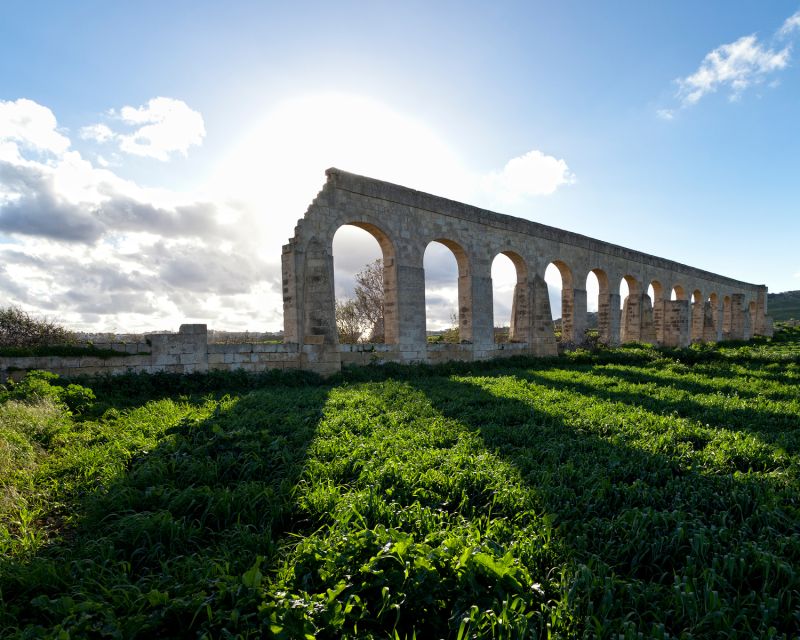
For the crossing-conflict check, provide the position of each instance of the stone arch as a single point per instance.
(465, 298)
(390, 328)
(520, 320)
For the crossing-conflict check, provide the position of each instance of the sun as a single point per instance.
(278, 164)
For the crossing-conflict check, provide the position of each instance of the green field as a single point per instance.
(627, 493)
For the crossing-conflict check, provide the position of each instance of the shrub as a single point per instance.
(36, 386)
(19, 329)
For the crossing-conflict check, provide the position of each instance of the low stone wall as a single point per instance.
(188, 351)
(252, 357)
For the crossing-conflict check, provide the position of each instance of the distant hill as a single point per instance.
(784, 306)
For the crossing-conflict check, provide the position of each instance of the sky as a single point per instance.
(154, 157)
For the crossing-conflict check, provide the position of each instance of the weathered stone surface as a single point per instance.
(404, 222)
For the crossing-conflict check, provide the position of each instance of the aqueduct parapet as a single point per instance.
(404, 221)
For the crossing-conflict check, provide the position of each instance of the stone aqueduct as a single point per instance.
(706, 306)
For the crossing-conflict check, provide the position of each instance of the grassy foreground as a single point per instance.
(629, 493)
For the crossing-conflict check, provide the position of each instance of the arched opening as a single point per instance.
(511, 304)
(678, 293)
(726, 317)
(364, 284)
(558, 277)
(448, 307)
(598, 307)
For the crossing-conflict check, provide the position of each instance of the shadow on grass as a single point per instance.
(167, 549)
(652, 541)
(165, 546)
(773, 427)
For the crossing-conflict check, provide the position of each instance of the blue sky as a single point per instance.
(669, 127)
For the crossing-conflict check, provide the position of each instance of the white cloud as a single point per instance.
(167, 126)
(106, 253)
(31, 125)
(97, 132)
(531, 174)
(791, 25)
(737, 66)
(162, 127)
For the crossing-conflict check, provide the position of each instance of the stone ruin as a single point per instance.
(706, 306)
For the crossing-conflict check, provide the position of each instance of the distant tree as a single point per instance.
(364, 313)
(452, 334)
(349, 323)
(369, 298)
(19, 329)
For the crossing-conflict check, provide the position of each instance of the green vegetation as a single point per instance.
(625, 493)
(18, 329)
(784, 306)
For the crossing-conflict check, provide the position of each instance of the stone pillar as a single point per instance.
(648, 329)
(520, 328)
(675, 331)
(613, 337)
(637, 319)
(604, 319)
(567, 313)
(320, 316)
(482, 302)
(542, 340)
(579, 322)
(727, 316)
(291, 268)
(698, 316)
(719, 317)
(747, 324)
(391, 328)
(411, 311)
(631, 318)
(712, 322)
(761, 324)
(658, 306)
(736, 317)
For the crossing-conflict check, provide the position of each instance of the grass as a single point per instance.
(624, 493)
